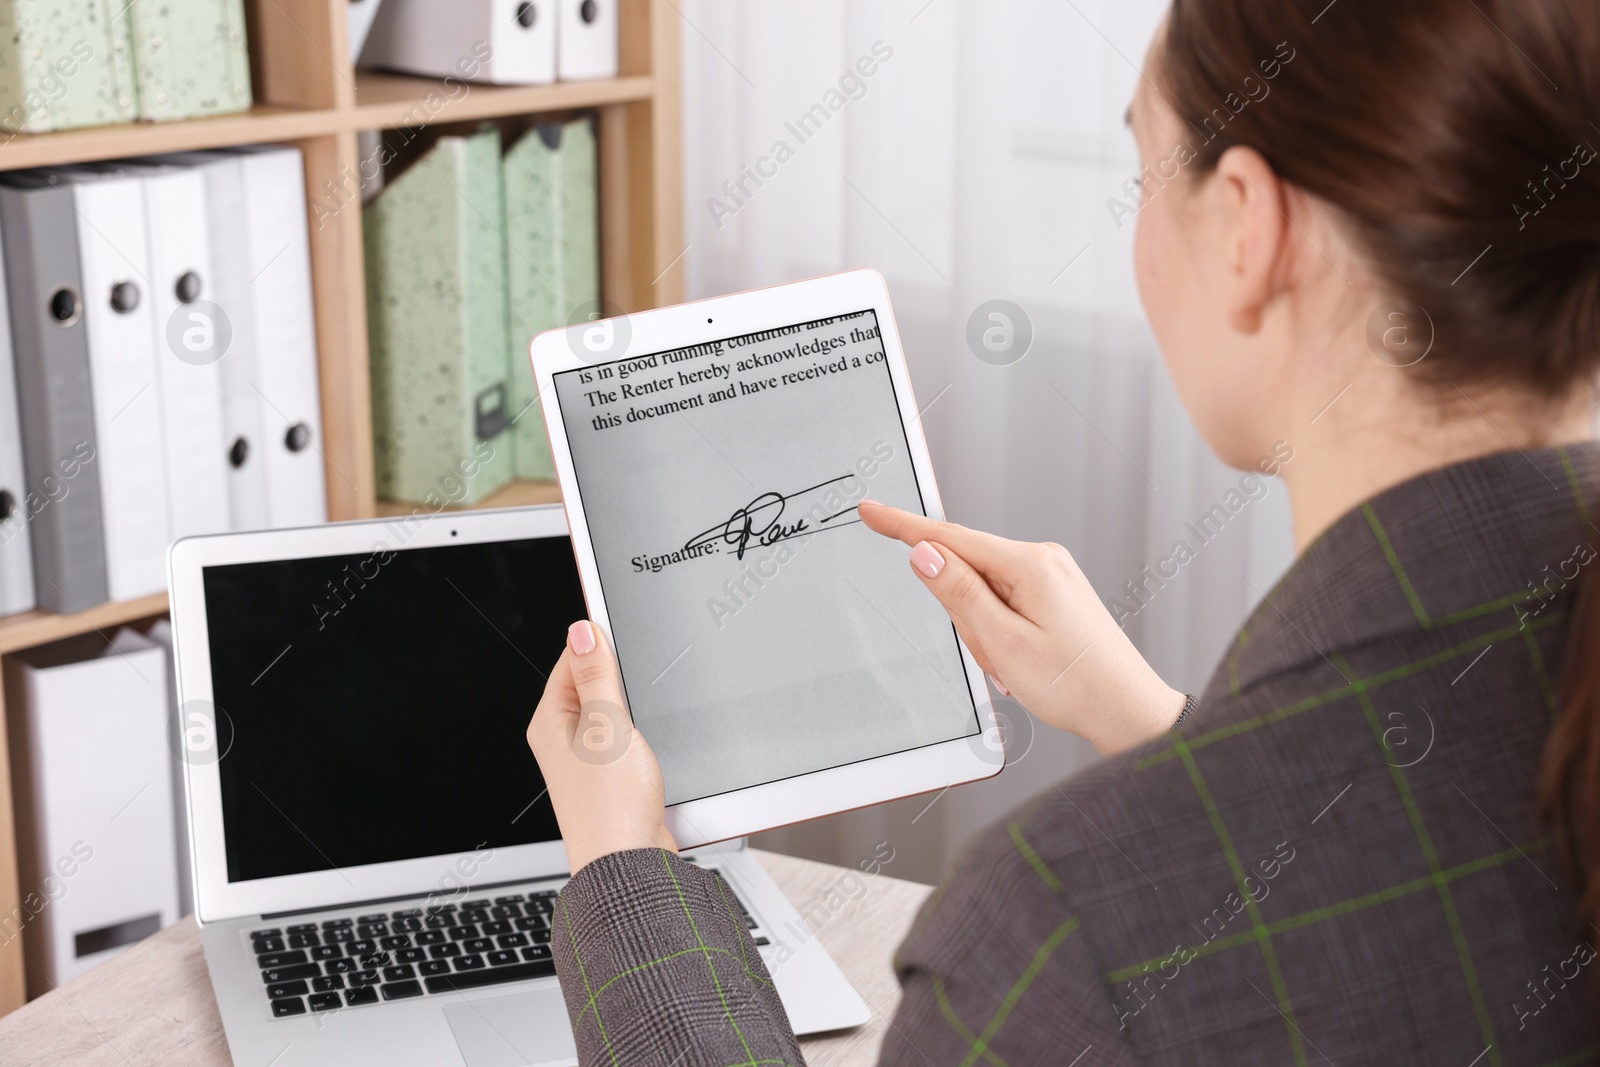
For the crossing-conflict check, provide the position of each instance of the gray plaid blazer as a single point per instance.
(1336, 859)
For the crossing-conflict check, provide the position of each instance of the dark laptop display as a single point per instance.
(373, 707)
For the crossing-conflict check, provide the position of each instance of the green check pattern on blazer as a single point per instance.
(1335, 860)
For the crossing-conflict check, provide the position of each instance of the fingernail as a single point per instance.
(926, 559)
(869, 500)
(1000, 686)
(580, 637)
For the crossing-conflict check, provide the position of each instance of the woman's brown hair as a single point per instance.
(1458, 141)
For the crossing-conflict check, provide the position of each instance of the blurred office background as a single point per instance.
(975, 163)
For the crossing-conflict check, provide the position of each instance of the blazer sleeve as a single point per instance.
(658, 969)
(999, 970)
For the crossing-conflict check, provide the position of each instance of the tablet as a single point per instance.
(782, 659)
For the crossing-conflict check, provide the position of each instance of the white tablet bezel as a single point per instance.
(215, 896)
(835, 789)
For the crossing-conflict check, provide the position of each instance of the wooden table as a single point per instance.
(153, 1005)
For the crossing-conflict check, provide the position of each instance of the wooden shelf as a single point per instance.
(309, 96)
(515, 495)
(32, 628)
(400, 100)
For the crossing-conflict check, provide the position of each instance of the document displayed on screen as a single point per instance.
(763, 632)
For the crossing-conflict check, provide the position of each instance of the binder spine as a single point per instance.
(53, 392)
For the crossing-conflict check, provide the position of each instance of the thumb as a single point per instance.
(602, 729)
(965, 594)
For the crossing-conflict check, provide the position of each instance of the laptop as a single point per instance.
(375, 861)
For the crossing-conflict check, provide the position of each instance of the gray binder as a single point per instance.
(16, 547)
(52, 363)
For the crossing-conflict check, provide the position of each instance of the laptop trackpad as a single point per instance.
(522, 1030)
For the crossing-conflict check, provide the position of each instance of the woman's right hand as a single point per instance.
(1035, 624)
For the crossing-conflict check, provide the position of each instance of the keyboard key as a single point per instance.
(278, 990)
(441, 921)
(502, 957)
(434, 967)
(477, 944)
(397, 990)
(449, 983)
(395, 974)
(269, 932)
(461, 933)
(360, 947)
(361, 978)
(514, 898)
(303, 928)
(473, 915)
(762, 941)
(539, 937)
(334, 924)
(534, 953)
(511, 940)
(339, 934)
(440, 952)
(502, 911)
(372, 929)
(266, 944)
(304, 940)
(375, 959)
(410, 955)
(405, 913)
(428, 937)
(280, 959)
(406, 925)
(499, 926)
(291, 973)
(394, 941)
(529, 922)
(326, 1002)
(364, 995)
(326, 983)
(327, 952)
(339, 966)
(378, 917)
(288, 1006)
(474, 904)
(469, 963)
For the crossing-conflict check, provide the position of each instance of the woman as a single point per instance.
(1338, 856)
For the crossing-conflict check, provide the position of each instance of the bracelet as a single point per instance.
(1189, 704)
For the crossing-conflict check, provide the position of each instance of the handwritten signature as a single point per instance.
(761, 522)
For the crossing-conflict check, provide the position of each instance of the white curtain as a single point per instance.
(970, 150)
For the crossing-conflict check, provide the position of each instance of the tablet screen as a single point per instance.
(763, 632)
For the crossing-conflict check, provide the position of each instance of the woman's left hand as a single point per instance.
(604, 780)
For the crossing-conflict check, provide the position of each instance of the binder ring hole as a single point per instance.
(238, 452)
(8, 505)
(298, 437)
(65, 306)
(527, 14)
(588, 11)
(124, 297)
(188, 287)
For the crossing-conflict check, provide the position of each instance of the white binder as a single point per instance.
(261, 273)
(277, 261)
(586, 39)
(187, 333)
(97, 857)
(118, 310)
(16, 541)
(504, 42)
(361, 12)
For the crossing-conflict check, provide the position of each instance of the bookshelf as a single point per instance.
(308, 95)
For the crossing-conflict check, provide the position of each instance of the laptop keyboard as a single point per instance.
(410, 952)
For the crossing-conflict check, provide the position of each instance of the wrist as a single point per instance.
(1149, 716)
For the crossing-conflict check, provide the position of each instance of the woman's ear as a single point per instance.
(1254, 230)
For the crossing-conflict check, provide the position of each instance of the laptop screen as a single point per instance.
(374, 707)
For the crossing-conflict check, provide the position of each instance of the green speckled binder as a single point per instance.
(552, 261)
(64, 63)
(436, 322)
(190, 57)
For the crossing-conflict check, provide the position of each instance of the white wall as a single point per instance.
(977, 165)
